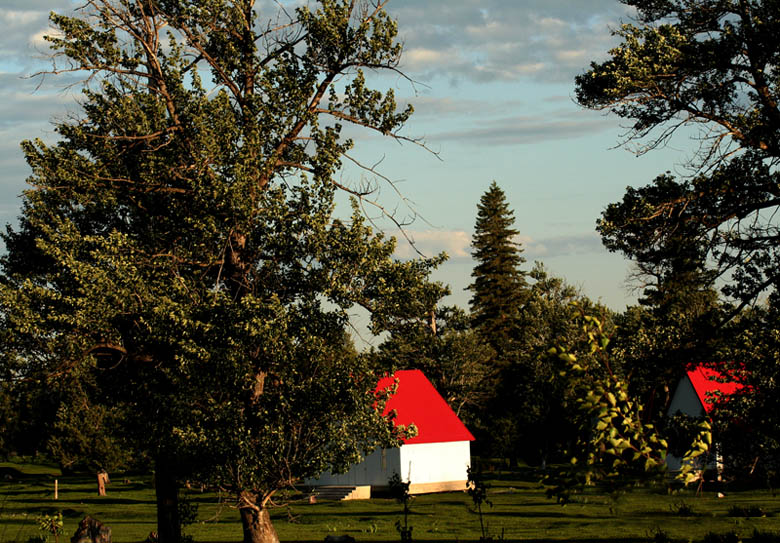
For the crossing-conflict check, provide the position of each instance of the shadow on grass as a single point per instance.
(46, 480)
(460, 540)
(105, 502)
(457, 503)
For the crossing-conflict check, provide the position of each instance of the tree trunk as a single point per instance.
(167, 492)
(256, 521)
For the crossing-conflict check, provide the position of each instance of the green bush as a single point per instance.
(749, 511)
(728, 537)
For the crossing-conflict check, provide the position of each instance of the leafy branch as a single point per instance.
(616, 448)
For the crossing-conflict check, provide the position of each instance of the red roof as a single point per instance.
(417, 402)
(706, 380)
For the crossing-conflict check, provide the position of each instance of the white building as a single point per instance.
(435, 460)
(695, 396)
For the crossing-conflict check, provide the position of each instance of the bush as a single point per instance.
(659, 536)
(751, 511)
(682, 509)
(728, 537)
(764, 537)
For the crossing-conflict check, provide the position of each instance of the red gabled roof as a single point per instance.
(417, 402)
(706, 380)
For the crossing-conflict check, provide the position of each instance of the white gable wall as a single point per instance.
(426, 463)
(685, 400)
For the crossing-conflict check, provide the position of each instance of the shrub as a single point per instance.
(751, 511)
(728, 537)
(659, 536)
(764, 537)
(682, 509)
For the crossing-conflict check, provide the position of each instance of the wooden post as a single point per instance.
(102, 479)
(56, 490)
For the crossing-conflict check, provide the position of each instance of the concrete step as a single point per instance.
(339, 493)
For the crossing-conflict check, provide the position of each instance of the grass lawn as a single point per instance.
(520, 511)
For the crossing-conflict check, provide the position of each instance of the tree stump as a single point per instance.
(91, 530)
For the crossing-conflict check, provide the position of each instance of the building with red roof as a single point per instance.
(696, 395)
(699, 390)
(434, 460)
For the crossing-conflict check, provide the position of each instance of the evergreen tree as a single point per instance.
(499, 288)
(499, 292)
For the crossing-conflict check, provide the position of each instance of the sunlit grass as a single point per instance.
(521, 511)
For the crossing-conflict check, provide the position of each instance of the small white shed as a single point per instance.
(695, 396)
(435, 460)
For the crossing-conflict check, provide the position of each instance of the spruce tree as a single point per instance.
(499, 292)
(499, 288)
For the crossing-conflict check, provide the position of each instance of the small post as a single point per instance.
(102, 480)
(56, 489)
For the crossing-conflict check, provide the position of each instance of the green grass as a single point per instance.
(521, 511)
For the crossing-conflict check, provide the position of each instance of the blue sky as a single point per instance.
(493, 93)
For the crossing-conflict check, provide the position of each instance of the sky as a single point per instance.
(492, 84)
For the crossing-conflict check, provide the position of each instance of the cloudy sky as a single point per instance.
(492, 85)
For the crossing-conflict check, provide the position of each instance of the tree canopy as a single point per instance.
(711, 65)
(178, 245)
(499, 287)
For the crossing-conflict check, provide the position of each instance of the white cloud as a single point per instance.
(19, 17)
(505, 41)
(455, 243)
(571, 55)
(420, 56)
(23, 25)
(551, 23)
(568, 245)
(529, 68)
(527, 129)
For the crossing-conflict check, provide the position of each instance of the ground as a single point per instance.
(521, 512)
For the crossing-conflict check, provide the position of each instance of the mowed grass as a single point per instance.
(521, 511)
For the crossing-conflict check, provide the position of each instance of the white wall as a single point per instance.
(426, 462)
(435, 462)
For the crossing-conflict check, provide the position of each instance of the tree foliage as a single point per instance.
(451, 354)
(498, 292)
(179, 243)
(86, 433)
(746, 423)
(499, 287)
(540, 422)
(708, 64)
(616, 448)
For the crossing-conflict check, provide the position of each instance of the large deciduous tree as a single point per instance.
(178, 244)
(711, 65)
(542, 417)
(747, 421)
(708, 69)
